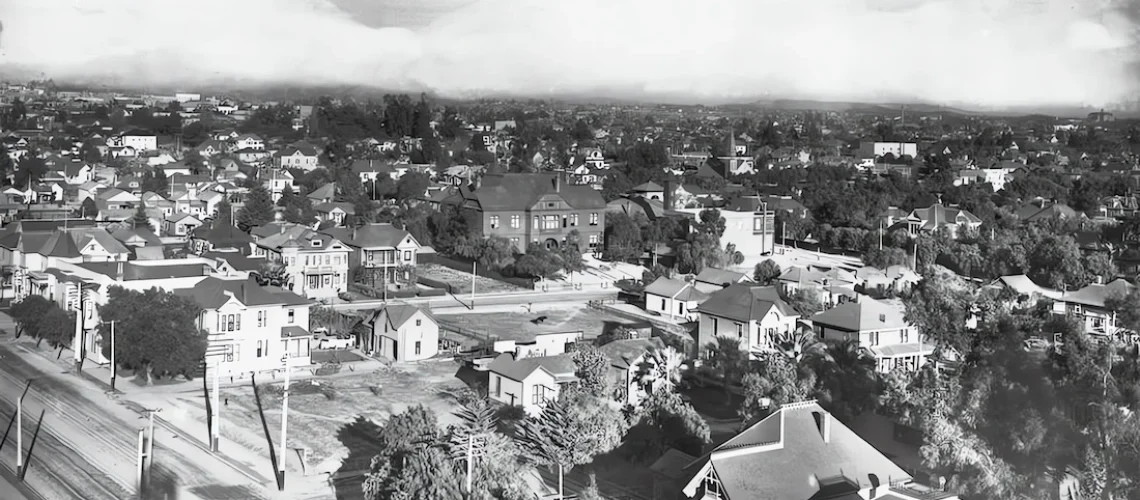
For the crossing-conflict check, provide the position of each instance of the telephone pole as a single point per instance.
(216, 432)
(284, 424)
(19, 433)
(474, 270)
(148, 455)
(114, 367)
(140, 455)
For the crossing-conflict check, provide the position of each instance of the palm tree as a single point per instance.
(661, 369)
(802, 344)
(848, 374)
(727, 359)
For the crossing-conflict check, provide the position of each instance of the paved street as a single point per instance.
(460, 302)
(8, 490)
(89, 440)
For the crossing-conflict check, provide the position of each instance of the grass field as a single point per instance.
(461, 281)
(519, 325)
(328, 419)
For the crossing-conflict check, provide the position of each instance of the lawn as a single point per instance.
(461, 281)
(519, 325)
(336, 419)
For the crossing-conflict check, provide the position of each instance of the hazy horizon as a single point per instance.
(967, 53)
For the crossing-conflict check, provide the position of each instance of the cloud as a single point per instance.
(976, 52)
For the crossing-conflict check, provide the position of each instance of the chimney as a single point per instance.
(558, 182)
(119, 271)
(282, 227)
(354, 228)
(667, 197)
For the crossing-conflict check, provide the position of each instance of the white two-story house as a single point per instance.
(316, 264)
(251, 327)
(880, 329)
(754, 315)
(1089, 305)
(380, 248)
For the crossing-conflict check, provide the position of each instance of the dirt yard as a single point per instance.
(519, 325)
(462, 281)
(336, 419)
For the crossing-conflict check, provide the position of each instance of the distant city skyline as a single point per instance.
(964, 53)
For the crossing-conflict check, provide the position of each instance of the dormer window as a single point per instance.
(316, 243)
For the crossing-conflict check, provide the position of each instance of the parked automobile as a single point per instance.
(345, 296)
(337, 342)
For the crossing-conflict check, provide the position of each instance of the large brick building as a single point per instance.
(533, 208)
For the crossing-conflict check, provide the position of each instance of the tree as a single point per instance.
(412, 186)
(258, 209)
(140, 218)
(157, 332)
(616, 333)
(592, 370)
(539, 262)
(88, 209)
(766, 272)
(805, 301)
(667, 421)
(622, 238)
(334, 321)
(287, 197)
(570, 431)
(778, 381)
(224, 211)
(728, 360)
(710, 222)
(886, 257)
(660, 370)
(570, 253)
(401, 465)
(57, 327)
(29, 314)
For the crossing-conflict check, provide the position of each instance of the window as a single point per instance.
(515, 242)
(716, 326)
(535, 225)
(758, 225)
(328, 259)
(314, 281)
(328, 281)
(874, 338)
(417, 348)
(494, 221)
(663, 308)
(515, 221)
(594, 219)
(261, 318)
(259, 351)
(680, 308)
(740, 330)
(550, 222)
(407, 255)
(712, 487)
(497, 385)
(574, 219)
(904, 335)
(292, 316)
(419, 322)
(593, 241)
(538, 394)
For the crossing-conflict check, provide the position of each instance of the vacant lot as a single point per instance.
(337, 419)
(461, 281)
(519, 325)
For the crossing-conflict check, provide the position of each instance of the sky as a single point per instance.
(982, 53)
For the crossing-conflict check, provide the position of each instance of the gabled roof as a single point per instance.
(937, 215)
(648, 187)
(561, 367)
(374, 235)
(675, 289)
(236, 260)
(745, 303)
(786, 456)
(519, 192)
(720, 277)
(222, 235)
(1021, 284)
(212, 293)
(396, 314)
(327, 191)
(865, 315)
(1096, 294)
(132, 271)
(625, 353)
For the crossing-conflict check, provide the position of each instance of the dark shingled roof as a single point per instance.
(561, 366)
(519, 192)
(745, 303)
(133, 272)
(211, 293)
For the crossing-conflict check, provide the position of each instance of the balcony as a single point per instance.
(322, 269)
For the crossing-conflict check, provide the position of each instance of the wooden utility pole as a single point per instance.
(114, 367)
(474, 270)
(216, 432)
(140, 456)
(19, 433)
(284, 424)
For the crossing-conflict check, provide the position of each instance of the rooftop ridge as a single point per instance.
(799, 404)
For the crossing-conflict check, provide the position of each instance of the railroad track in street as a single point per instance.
(56, 467)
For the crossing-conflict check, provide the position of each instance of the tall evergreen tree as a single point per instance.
(258, 209)
(140, 219)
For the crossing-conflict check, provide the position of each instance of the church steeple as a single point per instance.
(731, 149)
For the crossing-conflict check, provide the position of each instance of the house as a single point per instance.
(402, 332)
(220, 235)
(649, 190)
(879, 328)
(370, 170)
(754, 315)
(316, 264)
(1041, 210)
(868, 149)
(1024, 292)
(334, 212)
(533, 208)
(324, 194)
(832, 286)
(711, 279)
(77, 173)
(626, 357)
(278, 180)
(299, 155)
(1089, 305)
(249, 142)
(749, 224)
(211, 148)
(117, 199)
(937, 217)
(542, 345)
(140, 140)
(529, 382)
(180, 225)
(380, 248)
(881, 282)
(251, 328)
(673, 298)
(798, 452)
